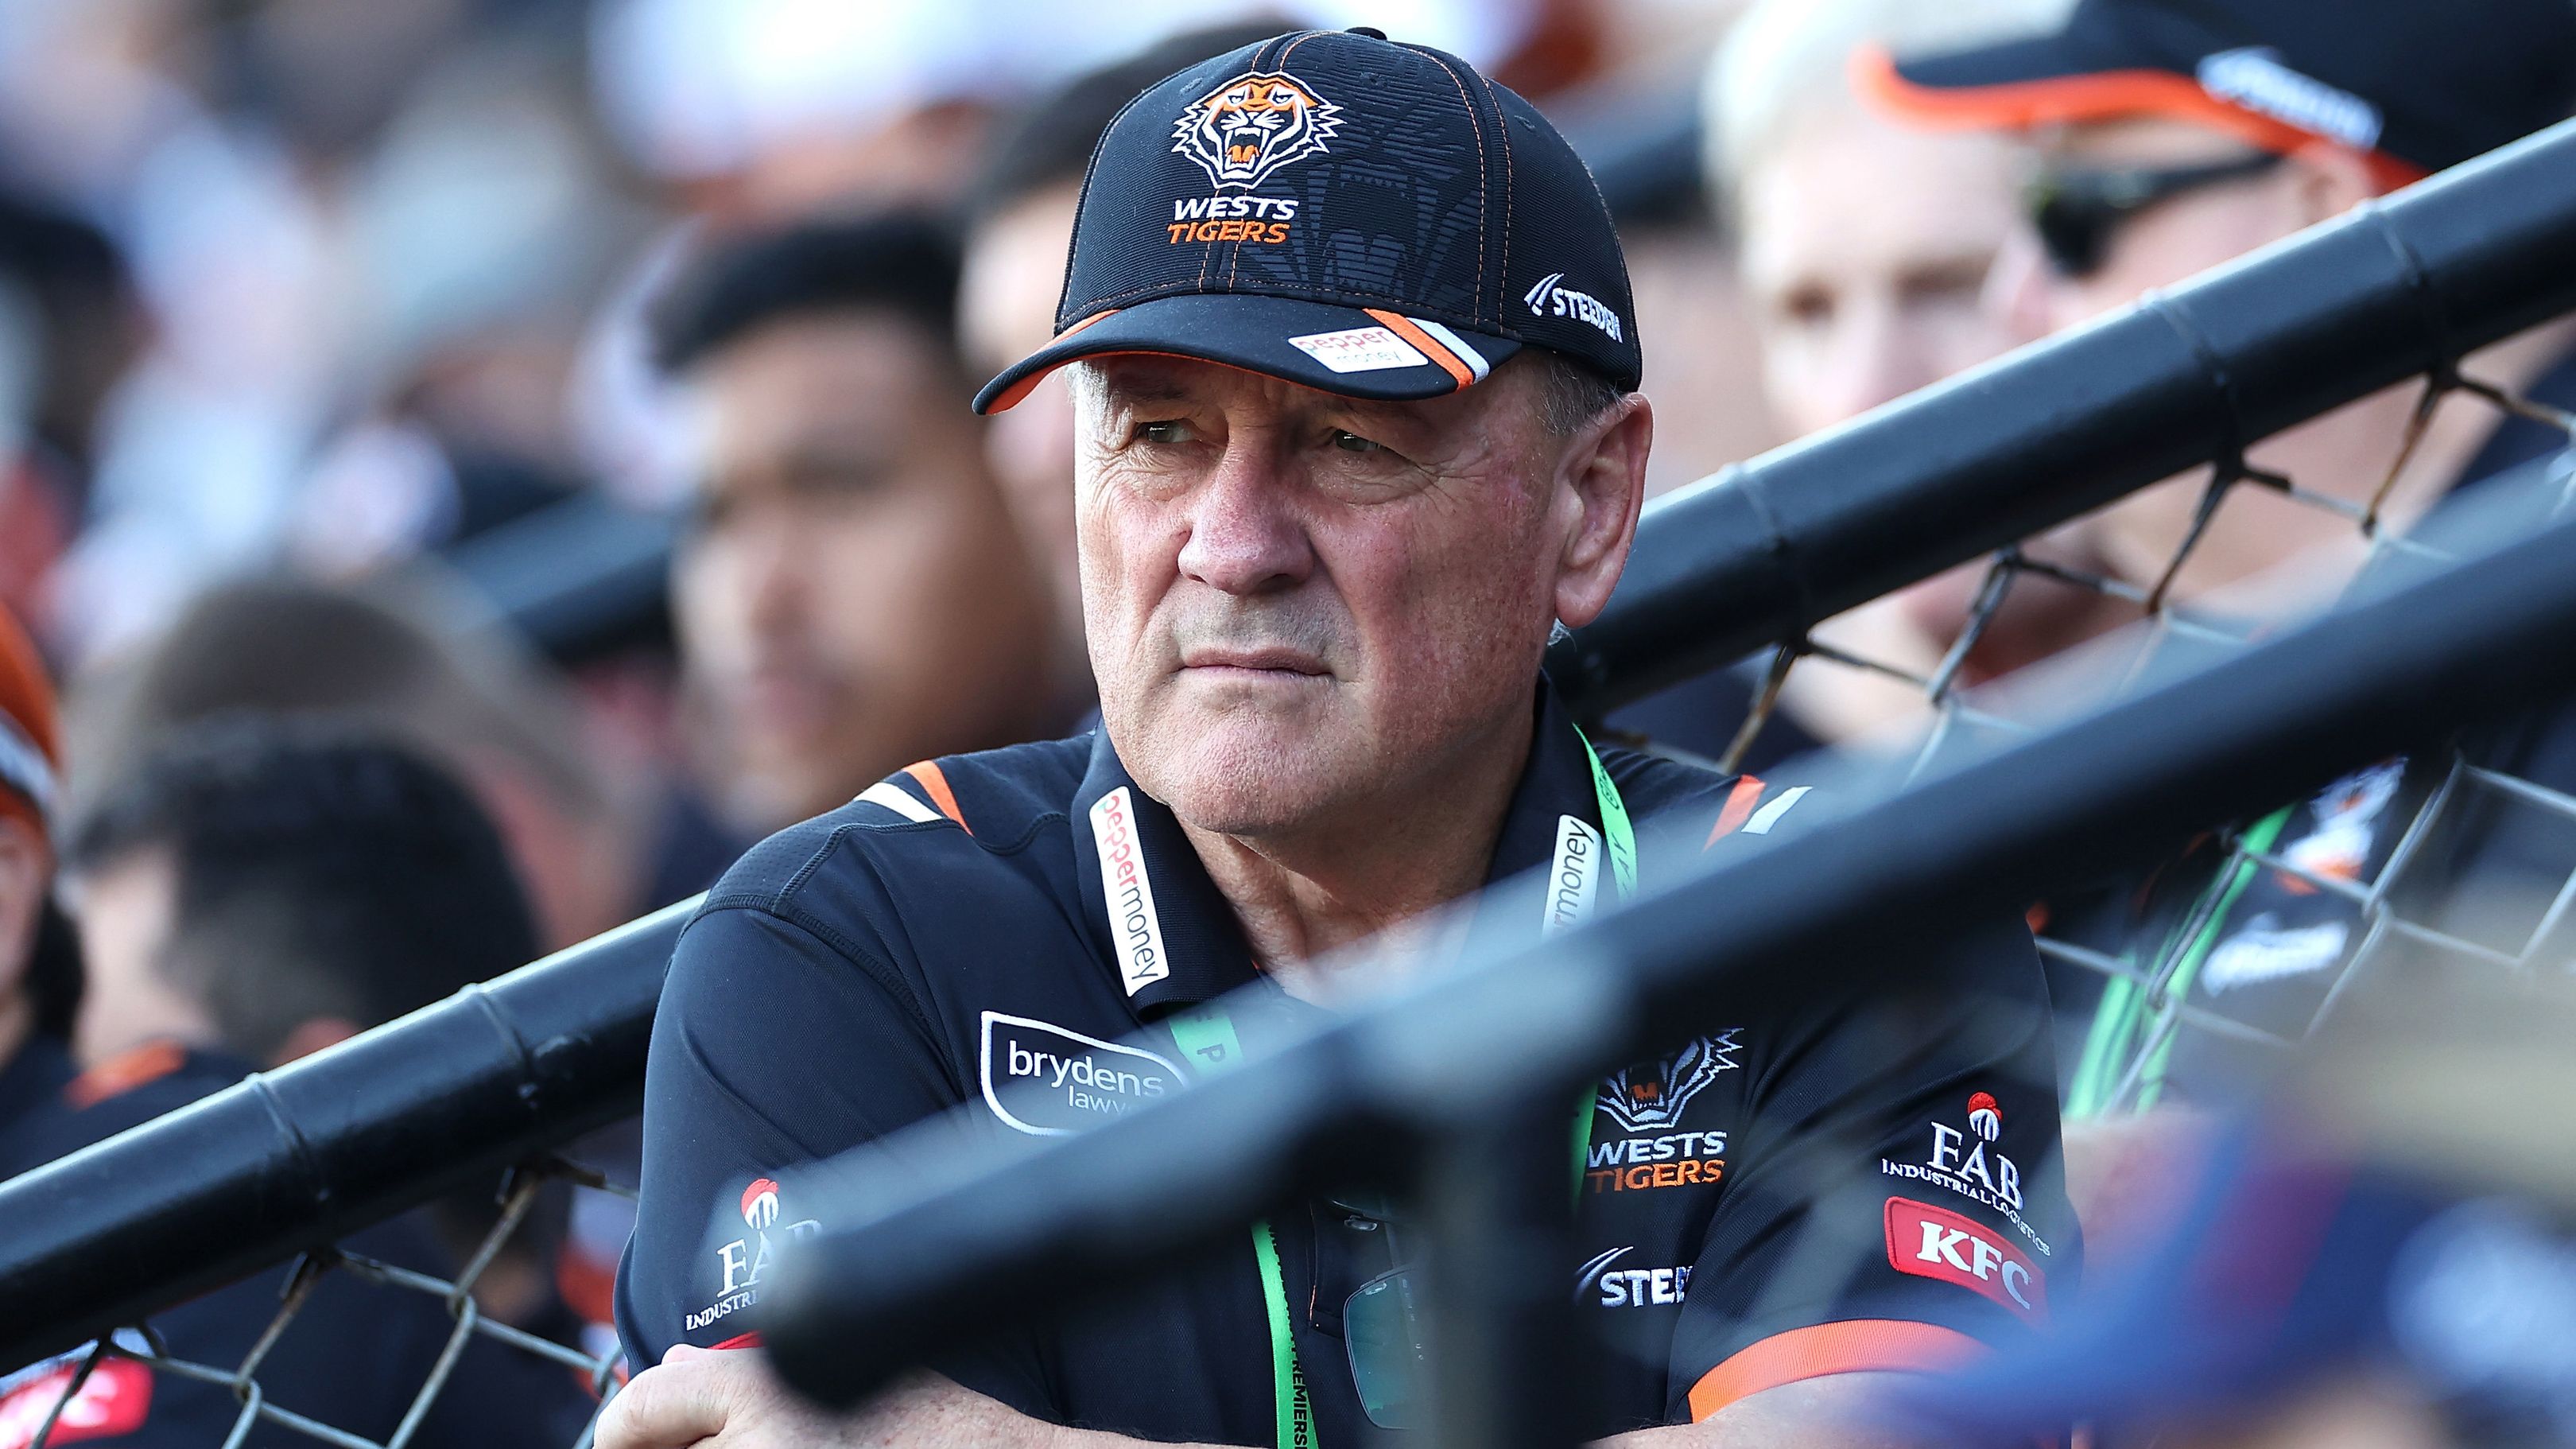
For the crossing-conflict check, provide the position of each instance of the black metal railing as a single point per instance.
(291, 1161)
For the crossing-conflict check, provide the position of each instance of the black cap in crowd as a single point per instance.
(2413, 84)
(1362, 217)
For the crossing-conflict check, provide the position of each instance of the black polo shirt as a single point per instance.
(354, 1356)
(1821, 1185)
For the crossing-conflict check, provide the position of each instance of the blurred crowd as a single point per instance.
(336, 335)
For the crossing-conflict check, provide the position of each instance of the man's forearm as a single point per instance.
(930, 1411)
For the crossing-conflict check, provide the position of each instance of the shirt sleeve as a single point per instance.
(771, 1048)
(1899, 1201)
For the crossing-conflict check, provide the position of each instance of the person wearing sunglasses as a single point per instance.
(2176, 135)
(2173, 136)
(1354, 366)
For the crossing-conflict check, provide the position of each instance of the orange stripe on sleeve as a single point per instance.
(125, 1071)
(1856, 1345)
(1739, 808)
(928, 775)
(1430, 346)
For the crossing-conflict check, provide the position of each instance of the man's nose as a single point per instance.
(2018, 285)
(1882, 358)
(772, 565)
(1245, 537)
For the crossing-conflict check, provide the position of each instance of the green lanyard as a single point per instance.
(1205, 1035)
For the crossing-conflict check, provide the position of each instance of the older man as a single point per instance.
(1355, 369)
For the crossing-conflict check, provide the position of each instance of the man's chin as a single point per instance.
(1242, 771)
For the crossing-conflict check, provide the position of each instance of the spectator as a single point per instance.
(495, 718)
(2250, 121)
(1865, 246)
(261, 888)
(1020, 223)
(268, 888)
(354, 1356)
(40, 972)
(2234, 124)
(852, 593)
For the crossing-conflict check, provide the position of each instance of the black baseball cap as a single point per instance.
(2412, 85)
(1329, 207)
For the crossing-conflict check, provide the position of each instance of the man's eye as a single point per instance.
(1163, 432)
(1354, 443)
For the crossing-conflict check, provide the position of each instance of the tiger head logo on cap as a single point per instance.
(1252, 125)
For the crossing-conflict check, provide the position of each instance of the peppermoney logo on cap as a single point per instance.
(1252, 125)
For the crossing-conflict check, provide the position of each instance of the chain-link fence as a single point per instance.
(77, 1395)
(2390, 821)
(501, 1079)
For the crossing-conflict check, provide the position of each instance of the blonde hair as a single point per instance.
(1787, 59)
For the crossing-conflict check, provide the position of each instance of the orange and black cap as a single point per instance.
(2413, 87)
(30, 748)
(1357, 216)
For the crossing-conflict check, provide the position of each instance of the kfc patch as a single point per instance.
(1931, 1242)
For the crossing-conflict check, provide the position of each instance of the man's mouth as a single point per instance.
(1277, 663)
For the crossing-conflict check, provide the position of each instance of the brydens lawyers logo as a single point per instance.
(1048, 1081)
(1130, 892)
(1252, 125)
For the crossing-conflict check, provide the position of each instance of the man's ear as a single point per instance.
(1601, 485)
(2331, 180)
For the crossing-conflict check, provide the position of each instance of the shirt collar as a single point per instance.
(1158, 920)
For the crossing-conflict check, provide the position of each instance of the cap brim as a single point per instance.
(2021, 83)
(1366, 352)
(2052, 81)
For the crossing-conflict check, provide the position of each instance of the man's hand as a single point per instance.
(731, 1400)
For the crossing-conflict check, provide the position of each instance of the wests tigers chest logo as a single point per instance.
(1651, 1097)
(1252, 125)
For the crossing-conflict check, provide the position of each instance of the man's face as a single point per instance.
(1005, 311)
(125, 909)
(1865, 248)
(1297, 601)
(2158, 245)
(853, 596)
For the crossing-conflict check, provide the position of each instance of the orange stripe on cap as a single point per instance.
(1739, 808)
(932, 780)
(2099, 96)
(1013, 395)
(1429, 346)
(1855, 1345)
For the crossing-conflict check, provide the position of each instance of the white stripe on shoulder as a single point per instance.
(1475, 360)
(1769, 815)
(895, 798)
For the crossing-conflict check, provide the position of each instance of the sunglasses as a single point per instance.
(2077, 210)
(1382, 1315)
